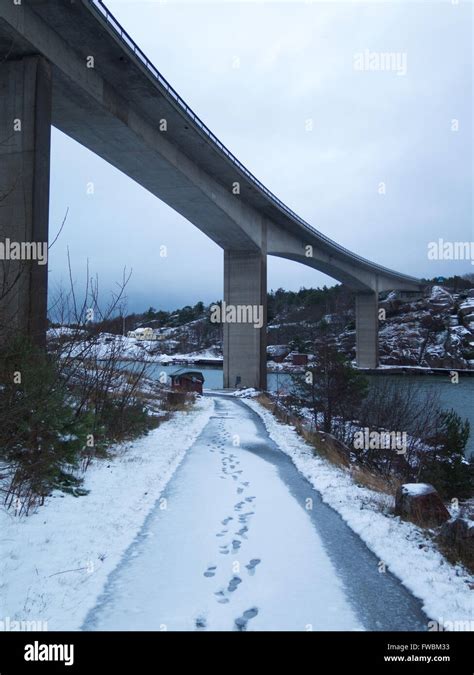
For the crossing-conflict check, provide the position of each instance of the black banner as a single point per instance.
(89, 652)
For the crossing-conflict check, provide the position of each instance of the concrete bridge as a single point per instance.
(68, 63)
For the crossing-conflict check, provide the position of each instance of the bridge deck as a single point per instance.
(88, 28)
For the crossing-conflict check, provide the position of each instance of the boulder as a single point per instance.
(458, 536)
(421, 504)
(446, 361)
(466, 308)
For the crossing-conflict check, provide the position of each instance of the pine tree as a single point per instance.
(446, 466)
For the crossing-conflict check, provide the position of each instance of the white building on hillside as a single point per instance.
(142, 334)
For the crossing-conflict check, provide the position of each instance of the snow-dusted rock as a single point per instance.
(421, 504)
(458, 535)
(250, 392)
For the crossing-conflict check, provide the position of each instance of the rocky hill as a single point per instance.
(435, 330)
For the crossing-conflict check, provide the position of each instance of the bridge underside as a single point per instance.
(116, 109)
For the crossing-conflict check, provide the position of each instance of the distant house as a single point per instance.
(187, 380)
(142, 334)
(299, 359)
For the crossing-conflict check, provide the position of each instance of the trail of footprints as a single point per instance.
(240, 519)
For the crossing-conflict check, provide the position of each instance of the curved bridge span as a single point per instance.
(71, 65)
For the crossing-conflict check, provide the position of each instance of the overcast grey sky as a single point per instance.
(260, 75)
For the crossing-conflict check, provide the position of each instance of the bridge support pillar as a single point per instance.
(367, 330)
(244, 315)
(25, 124)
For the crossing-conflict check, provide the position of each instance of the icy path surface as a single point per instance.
(240, 541)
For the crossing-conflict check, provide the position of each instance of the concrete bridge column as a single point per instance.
(245, 293)
(25, 138)
(367, 330)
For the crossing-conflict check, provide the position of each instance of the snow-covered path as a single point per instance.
(240, 540)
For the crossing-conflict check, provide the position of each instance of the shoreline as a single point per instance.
(416, 370)
(288, 369)
(381, 370)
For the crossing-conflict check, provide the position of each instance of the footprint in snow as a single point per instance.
(242, 621)
(211, 571)
(200, 623)
(233, 584)
(221, 597)
(252, 565)
(245, 516)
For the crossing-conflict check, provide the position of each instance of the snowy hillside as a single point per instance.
(434, 331)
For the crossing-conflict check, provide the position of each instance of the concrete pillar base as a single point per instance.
(25, 121)
(245, 294)
(367, 330)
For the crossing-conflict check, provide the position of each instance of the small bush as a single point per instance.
(119, 421)
(41, 440)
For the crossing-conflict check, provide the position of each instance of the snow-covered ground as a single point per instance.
(127, 348)
(231, 538)
(446, 590)
(54, 563)
(246, 544)
(233, 545)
